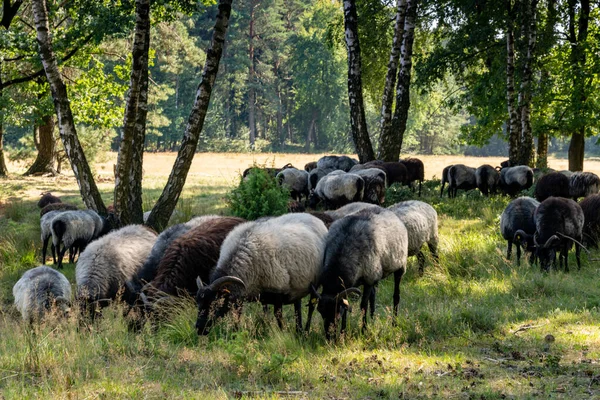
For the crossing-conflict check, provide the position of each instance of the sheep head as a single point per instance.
(215, 300)
(332, 308)
(546, 253)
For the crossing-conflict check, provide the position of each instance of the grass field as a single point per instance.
(475, 326)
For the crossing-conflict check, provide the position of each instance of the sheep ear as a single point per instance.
(199, 283)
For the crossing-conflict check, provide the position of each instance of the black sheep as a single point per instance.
(552, 184)
(48, 198)
(445, 179)
(415, 171)
(461, 177)
(591, 212)
(487, 179)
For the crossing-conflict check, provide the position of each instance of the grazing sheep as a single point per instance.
(337, 189)
(46, 233)
(517, 226)
(107, 263)
(344, 163)
(274, 261)
(445, 179)
(415, 172)
(552, 184)
(57, 207)
(375, 184)
(582, 184)
(362, 248)
(194, 254)
(323, 216)
(515, 179)
(591, 212)
(150, 268)
(315, 175)
(460, 177)
(296, 180)
(559, 224)
(421, 222)
(75, 229)
(350, 209)
(38, 290)
(396, 172)
(48, 198)
(271, 171)
(310, 166)
(487, 179)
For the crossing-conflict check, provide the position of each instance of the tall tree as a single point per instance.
(87, 185)
(44, 162)
(391, 151)
(358, 123)
(512, 126)
(385, 133)
(577, 39)
(251, 75)
(159, 217)
(128, 189)
(3, 169)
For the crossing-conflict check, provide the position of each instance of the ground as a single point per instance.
(476, 325)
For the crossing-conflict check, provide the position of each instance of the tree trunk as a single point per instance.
(128, 195)
(512, 125)
(44, 162)
(3, 169)
(391, 152)
(579, 93)
(526, 153)
(358, 123)
(68, 134)
(159, 217)
(251, 89)
(542, 151)
(386, 134)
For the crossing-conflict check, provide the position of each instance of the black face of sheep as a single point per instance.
(546, 252)
(215, 300)
(313, 200)
(334, 308)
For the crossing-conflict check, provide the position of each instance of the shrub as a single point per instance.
(258, 195)
(397, 192)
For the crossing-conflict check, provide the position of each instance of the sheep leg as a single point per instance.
(433, 251)
(311, 309)
(518, 253)
(265, 308)
(509, 250)
(565, 255)
(420, 184)
(44, 247)
(364, 303)
(53, 253)
(372, 301)
(279, 312)
(298, 312)
(421, 259)
(61, 254)
(578, 255)
(397, 278)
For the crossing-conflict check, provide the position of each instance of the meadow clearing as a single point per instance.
(474, 326)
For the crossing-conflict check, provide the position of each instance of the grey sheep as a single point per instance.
(46, 234)
(487, 179)
(460, 177)
(421, 222)
(362, 248)
(559, 224)
(38, 290)
(582, 184)
(296, 180)
(350, 209)
(515, 179)
(274, 261)
(76, 229)
(517, 226)
(375, 184)
(107, 263)
(344, 163)
(337, 189)
(315, 175)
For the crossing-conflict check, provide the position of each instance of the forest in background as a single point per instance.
(290, 57)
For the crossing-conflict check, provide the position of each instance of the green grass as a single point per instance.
(474, 326)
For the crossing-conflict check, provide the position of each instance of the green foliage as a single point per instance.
(396, 193)
(258, 195)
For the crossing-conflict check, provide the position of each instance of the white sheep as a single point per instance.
(337, 189)
(38, 290)
(296, 180)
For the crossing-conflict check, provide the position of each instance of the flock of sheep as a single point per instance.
(225, 261)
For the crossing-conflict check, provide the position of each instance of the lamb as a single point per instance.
(582, 184)
(57, 207)
(552, 184)
(445, 179)
(517, 226)
(310, 166)
(344, 163)
(515, 179)
(362, 248)
(487, 179)
(559, 224)
(274, 261)
(337, 189)
(38, 290)
(194, 254)
(415, 171)
(591, 226)
(107, 263)
(75, 229)
(48, 198)
(296, 180)
(150, 268)
(375, 184)
(460, 177)
(421, 222)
